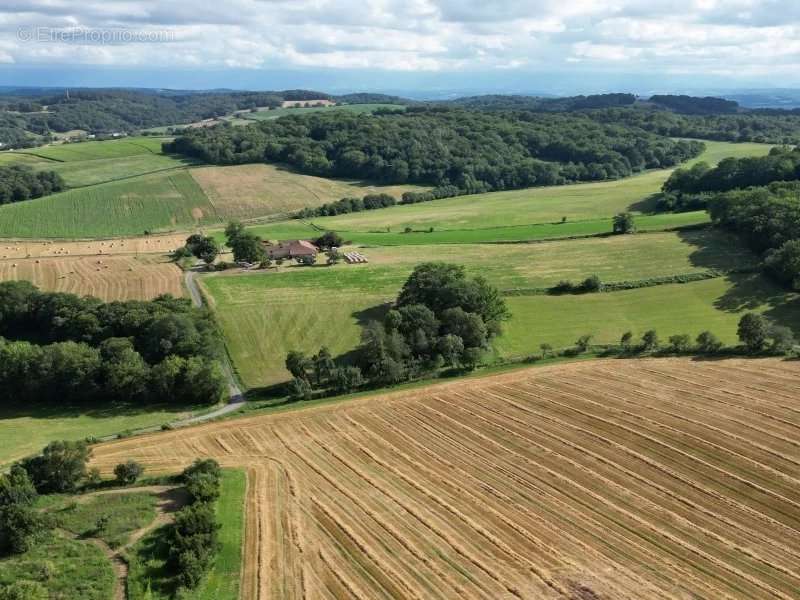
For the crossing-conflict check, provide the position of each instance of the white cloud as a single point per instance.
(756, 37)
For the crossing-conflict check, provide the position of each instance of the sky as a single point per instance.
(544, 46)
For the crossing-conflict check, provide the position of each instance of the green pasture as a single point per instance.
(581, 203)
(26, 430)
(156, 202)
(715, 305)
(68, 569)
(149, 577)
(222, 582)
(91, 150)
(535, 232)
(265, 315)
(102, 170)
(124, 513)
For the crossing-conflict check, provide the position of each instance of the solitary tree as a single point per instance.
(624, 223)
(547, 349)
(128, 472)
(753, 332)
(328, 240)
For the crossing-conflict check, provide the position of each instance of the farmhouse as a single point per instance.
(290, 249)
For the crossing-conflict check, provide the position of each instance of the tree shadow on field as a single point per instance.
(712, 248)
(749, 289)
(646, 205)
(364, 318)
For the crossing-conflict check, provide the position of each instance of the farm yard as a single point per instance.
(660, 478)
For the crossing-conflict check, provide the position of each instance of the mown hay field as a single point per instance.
(24, 248)
(578, 202)
(265, 315)
(658, 478)
(119, 277)
(156, 202)
(261, 190)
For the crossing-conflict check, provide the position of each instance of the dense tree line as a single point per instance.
(777, 127)
(348, 205)
(193, 537)
(61, 349)
(769, 219)
(781, 164)
(474, 151)
(20, 182)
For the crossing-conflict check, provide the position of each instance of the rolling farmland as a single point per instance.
(578, 202)
(660, 478)
(155, 202)
(261, 190)
(265, 315)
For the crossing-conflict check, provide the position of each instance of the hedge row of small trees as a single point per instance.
(193, 537)
(756, 334)
(348, 205)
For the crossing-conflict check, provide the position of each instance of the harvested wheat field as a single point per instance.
(663, 478)
(115, 277)
(154, 244)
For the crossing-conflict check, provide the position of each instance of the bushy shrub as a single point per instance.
(128, 472)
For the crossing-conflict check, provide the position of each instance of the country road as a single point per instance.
(236, 397)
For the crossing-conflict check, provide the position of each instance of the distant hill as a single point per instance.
(692, 105)
(515, 102)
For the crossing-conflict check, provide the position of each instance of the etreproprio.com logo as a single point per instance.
(84, 35)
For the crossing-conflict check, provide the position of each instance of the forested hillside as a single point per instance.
(475, 151)
(104, 111)
(776, 127)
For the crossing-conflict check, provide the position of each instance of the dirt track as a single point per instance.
(612, 479)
